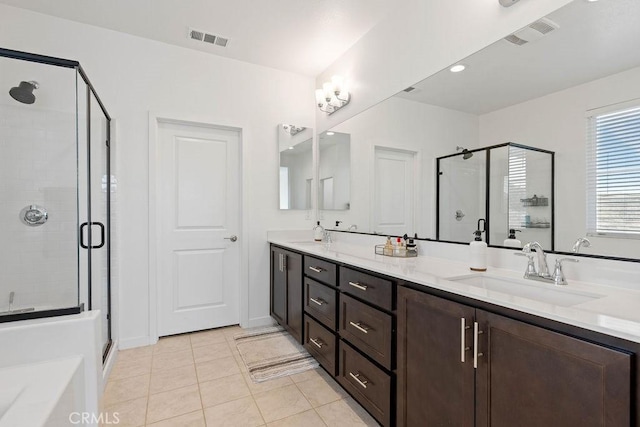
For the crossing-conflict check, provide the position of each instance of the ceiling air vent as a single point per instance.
(196, 35)
(532, 32)
(207, 38)
(410, 89)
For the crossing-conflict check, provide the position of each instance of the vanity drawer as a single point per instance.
(367, 383)
(320, 302)
(370, 288)
(323, 271)
(368, 329)
(320, 343)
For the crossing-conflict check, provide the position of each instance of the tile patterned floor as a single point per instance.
(199, 379)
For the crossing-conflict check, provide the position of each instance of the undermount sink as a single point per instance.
(536, 291)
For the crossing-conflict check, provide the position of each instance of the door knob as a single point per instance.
(232, 238)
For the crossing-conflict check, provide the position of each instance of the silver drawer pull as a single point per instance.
(316, 342)
(316, 269)
(463, 347)
(317, 301)
(476, 354)
(360, 326)
(359, 286)
(363, 382)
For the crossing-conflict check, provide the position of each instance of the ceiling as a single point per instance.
(595, 39)
(301, 36)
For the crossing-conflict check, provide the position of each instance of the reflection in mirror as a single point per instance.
(296, 166)
(519, 190)
(334, 171)
(462, 195)
(539, 93)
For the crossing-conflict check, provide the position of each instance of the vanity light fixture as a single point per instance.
(457, 68)
(330, 133)
(333, 96)
(292, 130)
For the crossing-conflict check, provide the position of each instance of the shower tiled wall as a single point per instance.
(38, 165)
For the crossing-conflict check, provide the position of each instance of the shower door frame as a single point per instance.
(488, 200)
(66, 63)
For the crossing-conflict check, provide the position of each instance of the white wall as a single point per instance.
(134, 76)
(37, 166)
(419, 40)
(401, 124)
(557, 122)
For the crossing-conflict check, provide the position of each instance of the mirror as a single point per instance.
(517, 182)
(295, 144)
(334, 171)
(535, 92)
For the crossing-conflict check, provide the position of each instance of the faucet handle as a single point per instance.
(531, 266)
(558, 274)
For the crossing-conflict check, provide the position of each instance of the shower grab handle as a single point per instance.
(102, 235)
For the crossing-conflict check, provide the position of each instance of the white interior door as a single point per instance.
(394, 194)
(199, 213)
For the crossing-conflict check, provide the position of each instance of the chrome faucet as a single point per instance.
(353, 227)
(543, 274)
(543, 268)
(582, 242)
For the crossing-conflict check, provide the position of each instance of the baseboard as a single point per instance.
(134, 342)
(259, 321)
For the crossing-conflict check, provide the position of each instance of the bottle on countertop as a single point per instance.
(388, 247)
(318, 232)
(511, 241)
(399, 249)
(478, 250)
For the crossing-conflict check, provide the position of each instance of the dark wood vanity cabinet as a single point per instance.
(526, 375)
(286, 290)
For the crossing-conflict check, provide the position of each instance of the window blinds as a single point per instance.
(517, 186)
(613, 173)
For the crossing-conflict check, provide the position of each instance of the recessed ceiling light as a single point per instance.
(457, 68)
(592, 1)
(290, 148)
(330, 133)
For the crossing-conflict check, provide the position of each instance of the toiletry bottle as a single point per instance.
(388, 247)
(511, 241)
(400, 250)
(478, 251)
(318, 232)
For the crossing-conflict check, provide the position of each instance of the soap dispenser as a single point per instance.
(478, 250)
(318, 232)
(511, 241)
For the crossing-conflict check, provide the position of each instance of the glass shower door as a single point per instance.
(100, 184)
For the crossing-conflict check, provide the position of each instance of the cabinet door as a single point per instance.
(435, 368)
(529, 376)
(278, 286)
(293, 263)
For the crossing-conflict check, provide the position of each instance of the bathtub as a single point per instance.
(45, 340)
(42, 394)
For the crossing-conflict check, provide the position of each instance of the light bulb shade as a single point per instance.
(328, 90)
(338, 83)
(320, 98)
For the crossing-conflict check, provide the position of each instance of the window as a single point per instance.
(613, 172)
(517, 186)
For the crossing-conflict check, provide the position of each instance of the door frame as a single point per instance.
(155, 227)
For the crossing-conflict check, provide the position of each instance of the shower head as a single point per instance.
(24, 92)
(466, 154)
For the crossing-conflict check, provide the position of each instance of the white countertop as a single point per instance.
(615, 311)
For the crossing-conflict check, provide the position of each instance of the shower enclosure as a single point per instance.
(510, 186)
(55, 191)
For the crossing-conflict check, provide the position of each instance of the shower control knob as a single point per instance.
(34, 215)
(232, 238)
